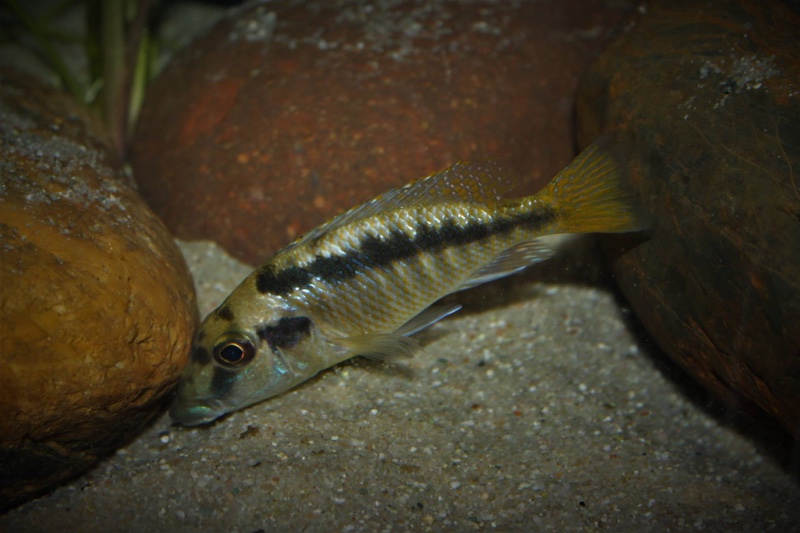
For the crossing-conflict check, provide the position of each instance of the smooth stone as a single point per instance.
(287, 113)
(97, 308)
(705, 99)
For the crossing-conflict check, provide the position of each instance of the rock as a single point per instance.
(97, 308)
(287, 113)
(706, 100)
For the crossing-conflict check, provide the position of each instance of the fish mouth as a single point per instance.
(196, 412)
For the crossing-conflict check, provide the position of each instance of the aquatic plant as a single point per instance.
(120, 54)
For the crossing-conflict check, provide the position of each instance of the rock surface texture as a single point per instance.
(97, 308)
(707, 101)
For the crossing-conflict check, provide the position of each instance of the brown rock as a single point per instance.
(286, 113)
(707, 100)
(97, 308)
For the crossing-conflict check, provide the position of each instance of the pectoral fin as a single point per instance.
(379, 346)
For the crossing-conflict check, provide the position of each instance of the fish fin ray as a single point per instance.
(427, 317)
(482, 183)
(592, 193)
(509, 262)
(379, 346)
(359, 212)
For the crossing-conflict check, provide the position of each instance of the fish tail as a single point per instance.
(592, 195)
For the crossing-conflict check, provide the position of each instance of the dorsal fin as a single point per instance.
(481, 183)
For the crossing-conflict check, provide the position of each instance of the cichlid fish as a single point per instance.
(363, 282)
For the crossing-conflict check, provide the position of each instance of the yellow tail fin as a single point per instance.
(592, 195)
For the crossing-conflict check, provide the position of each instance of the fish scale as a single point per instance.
(363, 282)
(421, 276)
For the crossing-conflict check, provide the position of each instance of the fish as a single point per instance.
(364, 282)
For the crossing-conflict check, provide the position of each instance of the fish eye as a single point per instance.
(235, 352)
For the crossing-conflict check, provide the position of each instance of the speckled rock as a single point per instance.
(289, 112)
(707, 100)
(97, 309)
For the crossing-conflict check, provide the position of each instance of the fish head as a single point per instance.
(234, 365)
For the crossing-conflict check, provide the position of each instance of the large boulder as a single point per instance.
(705, 99)
(97, 308)
(286, 112)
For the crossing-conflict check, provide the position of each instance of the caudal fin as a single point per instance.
(592, 194)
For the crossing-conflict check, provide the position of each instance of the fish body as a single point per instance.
(363, 282)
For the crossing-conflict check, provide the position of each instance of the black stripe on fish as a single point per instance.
(222, 381)
(287, 333)
(375, 252)
(283, 282)
(201, 356)
(225, 313)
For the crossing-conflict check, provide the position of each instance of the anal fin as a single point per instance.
(509, 262)
(426, 318)
(382, 346)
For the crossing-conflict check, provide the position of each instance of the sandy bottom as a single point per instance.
(537, 407)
